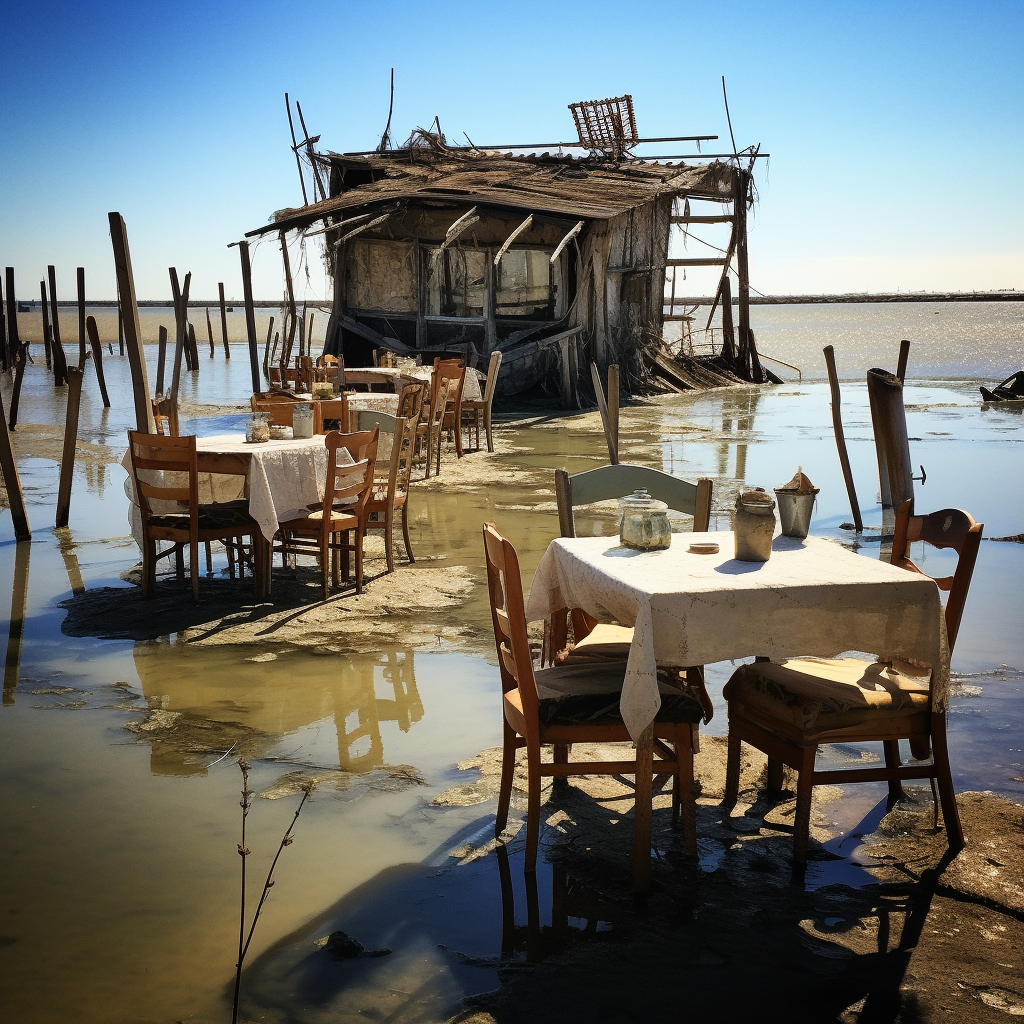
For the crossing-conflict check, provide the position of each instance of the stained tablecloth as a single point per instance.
(812, 597)
(471, 391)
(283, 476)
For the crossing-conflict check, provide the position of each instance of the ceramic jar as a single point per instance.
(753, 525)
(257, 429)
(644, 524)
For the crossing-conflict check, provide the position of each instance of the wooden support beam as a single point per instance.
(511, 238)
(464, 223)
(223, 320)
(602, 406)
(697, 261)
(81, 318)
(722, 218)
(13, 337)
(728, 335)
(9, 468)
(613, 406)
(837, 425)
(180, 297)
(376, 222)
(44, 309)
(289, 339)
(132, 329)
(742, 272)
(209, 331)
(250, 316)
(67, 461)
(161, 360)
(566, 239)
(97, 357)
(889, 420)
(20, 360)
(901, 366)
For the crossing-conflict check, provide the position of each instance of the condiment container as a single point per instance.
(644, 524)
(257, 429)
(796, 503)
(302, 420)
(753, 525)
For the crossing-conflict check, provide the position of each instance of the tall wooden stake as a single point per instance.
(742, 271)
(97, 357)
(4, 358)
(250, 316)
(889, 420)
(44, 308)
(901, 366)
(728, 336)
(161, 360)
(132, 330)
(286, 355)
(266, 350)
(20, 360)
(12, 481)
(67, 462)
(613, 406)
(60, 360)
(209, 330)
(223, 320)
(837, 424)
(81, 318)
(13, 338)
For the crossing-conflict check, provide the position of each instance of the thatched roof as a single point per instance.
(592, 189)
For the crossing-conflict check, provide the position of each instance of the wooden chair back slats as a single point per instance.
(156, 453)
(410, 399)
(330, 409)
(493, 366)
(947, 528)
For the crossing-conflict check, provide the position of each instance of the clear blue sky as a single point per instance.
(895, 128)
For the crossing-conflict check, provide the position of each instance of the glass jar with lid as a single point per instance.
(644, 524)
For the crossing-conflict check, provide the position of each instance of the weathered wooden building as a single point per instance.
(553, 259)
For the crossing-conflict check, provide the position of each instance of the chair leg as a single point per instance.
(193, 565)
(944, 779)
(732, 770)
(405, 531)
(682, 789)
(430, 454)
(802, 821)
(532, 805)
(327, 557)
(508, 766)
(892, 760)
(359, 559)
(487, 430)
(775, 774)
(389, 554)
(209, 559)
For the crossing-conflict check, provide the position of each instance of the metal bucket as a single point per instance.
(795, 511)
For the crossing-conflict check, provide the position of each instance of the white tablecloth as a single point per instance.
(470, 390)
(812, 597)
(284, 476)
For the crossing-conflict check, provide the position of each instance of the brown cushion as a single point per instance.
(221, 515)
(604, 641)
(816, 695)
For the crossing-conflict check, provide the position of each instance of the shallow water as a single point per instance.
(121, 871)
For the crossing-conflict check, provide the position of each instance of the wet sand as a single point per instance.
(123, 878)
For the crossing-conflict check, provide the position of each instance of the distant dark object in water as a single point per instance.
(24, 307)
(1011, 390)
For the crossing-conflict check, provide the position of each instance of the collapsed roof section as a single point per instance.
(593, 189)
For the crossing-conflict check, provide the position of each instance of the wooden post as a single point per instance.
(12, 663)
(309, 335)
(161, 360)
(889, 420)
(12, 481)
(44, 308)
(250, 317)
(81, 318)
(602, 405)
(209, 330)
(60, 361)
(67, 551)
(728, 336)
(742, 271)
(837, 424)
(266, 351)
(97, 357)
(21, 359)
(120, 329)
(4, 360)
(613, 407)
(67, 462)
(132, 330)
(224, 321)
(901, 366)
(302, 333)
(286, 355)
(180, 304)
(193, 347)
(13, 338)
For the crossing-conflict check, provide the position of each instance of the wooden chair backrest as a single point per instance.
(443, 394)
(279, 412)
(452, 369)
(607, 482)
(403, 446)
(493, 366)
(948, 528)
(330, 409)
(508, 616)
(349, 484)
(156, 456)
(410, 401)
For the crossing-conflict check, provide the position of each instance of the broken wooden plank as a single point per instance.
(97, 357)
(67, 461)
(511, 238)
(720, 218)
(602, 406)
(566, 239)
(697, 261)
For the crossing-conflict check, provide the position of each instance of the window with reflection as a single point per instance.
(525, 285)
(455, 281)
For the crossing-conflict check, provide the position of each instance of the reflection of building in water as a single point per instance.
(221, 699)
(739, 405)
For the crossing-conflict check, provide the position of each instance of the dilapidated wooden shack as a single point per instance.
(557, 260)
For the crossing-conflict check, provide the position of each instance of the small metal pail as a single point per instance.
(795, 511)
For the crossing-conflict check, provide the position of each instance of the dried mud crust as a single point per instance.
(906, 932)
(417, 604)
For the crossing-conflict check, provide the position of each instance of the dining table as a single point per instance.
(278, 478)
(811, 597)
(391, 376)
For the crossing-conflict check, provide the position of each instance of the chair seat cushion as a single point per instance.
(588, 694)
(815, 695)
(604, 641)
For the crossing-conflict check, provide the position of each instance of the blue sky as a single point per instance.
(895, 128)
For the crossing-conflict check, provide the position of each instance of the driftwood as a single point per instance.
(67, 462)
(97, 357)
(12, 481)
(1011, 389)
(837, 424)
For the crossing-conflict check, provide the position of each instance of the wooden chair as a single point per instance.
(788, 709)
(330, 410)
(165, 416)
(391, 481)
(473, 412)
(572, 704)
(278, 407)
(429, 430)
(304, 372)
(594, 639)
(410, 399)
(165, 469)
(453, 369)
(325, 531)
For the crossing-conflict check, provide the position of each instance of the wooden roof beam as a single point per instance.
(511, 238)
(573, 232)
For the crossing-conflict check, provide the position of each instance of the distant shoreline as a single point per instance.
(689, 300)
